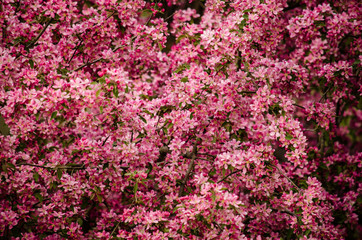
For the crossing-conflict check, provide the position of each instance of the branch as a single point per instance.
(75, 50)
(102, 59)
(105, 140)
(191, 166)
(88, 64)
(290, 180)
(247, 92)
(114, 229)
(206, 154)
(288, 212)
(164, 150)
(229, 175)
(324, 94)
(41, 33)
(52, 168)
(298, 106)
(33, 165)
(285, 211)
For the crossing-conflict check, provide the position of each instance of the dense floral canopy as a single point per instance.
(171, 119)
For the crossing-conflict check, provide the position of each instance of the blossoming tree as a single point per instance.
(217, 119)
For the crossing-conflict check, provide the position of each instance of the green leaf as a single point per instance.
(141, 135)
(307, 232)
(184, 79)
(99, 198)
(5, 168)
(182, 67)
(10, 165)
(192, 115)
(213, 196)
(288, 136)
(101, 109)
(319, 23)
(212, 173)
(98, 92)
(135, 188)
(53, 185)
(59, 173)
(143, 119)
(31, 62)
(146, 13)
(181, 37)
(36, 176)
(38, 196)
(169, 125)
(80, 221)
(175, 209)
(115, 91)
(54, 114)
(102, 79)
(289, 234)
(148, 112)
(127, 89)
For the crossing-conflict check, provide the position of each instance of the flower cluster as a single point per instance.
(170, 119)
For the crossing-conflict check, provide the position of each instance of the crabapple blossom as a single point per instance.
(213, 119)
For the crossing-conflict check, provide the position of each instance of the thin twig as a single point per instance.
(285, 211)
(170, 16)
(207, 154)
(114, 229)
(75, 50)
(81, 40)
(205, 159)
(191, 166)
(101, 59)
(310, 130)
(229, 175)
(324, 94)
(105, 140)
(297, 105)
(41, 33)
(247, 92)
(290, 180)
(88, 64)
(51, 168)
(33, 165)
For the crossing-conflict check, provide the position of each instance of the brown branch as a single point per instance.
(75, 50)
(290, 180)
(114, 229)
(33, 165)
(191, 166)
(102, 59)
(247, 92)
(40, 34)
(207, 154)
(88, 64)
(285, 211)
(229, 175)
(298, 106)
(324, 94)
(164, 150)
(105, 140)
(52, 168)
